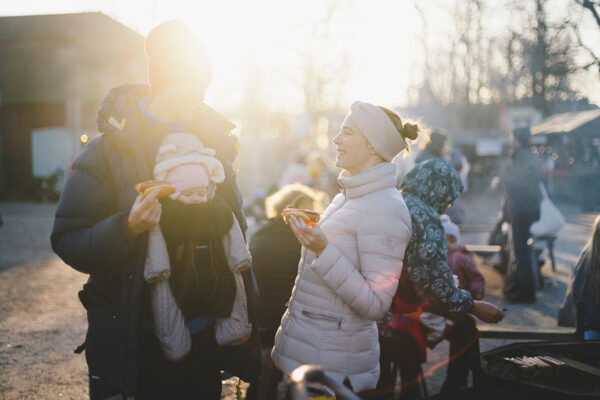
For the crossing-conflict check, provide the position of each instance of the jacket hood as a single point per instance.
(123, 102)
(435, 182)
(118, 105)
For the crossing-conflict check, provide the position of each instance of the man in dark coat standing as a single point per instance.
(101, 226)
(522, 198)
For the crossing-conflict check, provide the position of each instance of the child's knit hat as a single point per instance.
(450, 228)
(183, 161)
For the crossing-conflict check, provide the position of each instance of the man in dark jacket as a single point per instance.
(522, 198)
(101, 226)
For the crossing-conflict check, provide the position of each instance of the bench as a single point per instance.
(487, 331)
(483, 249)
(487, 251)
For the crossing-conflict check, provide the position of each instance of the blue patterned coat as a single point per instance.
(428, 189)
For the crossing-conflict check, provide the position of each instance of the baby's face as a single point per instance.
(194, 195)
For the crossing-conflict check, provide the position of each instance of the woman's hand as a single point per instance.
(487, 312)
(144, 214)
(312, 238)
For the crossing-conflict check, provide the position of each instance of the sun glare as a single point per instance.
(368, 50)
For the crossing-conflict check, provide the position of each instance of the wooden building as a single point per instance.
(54, 72)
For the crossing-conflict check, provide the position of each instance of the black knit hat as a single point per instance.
(174, 56)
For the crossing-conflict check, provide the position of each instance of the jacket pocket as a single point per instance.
(323, 317)
(103, 347)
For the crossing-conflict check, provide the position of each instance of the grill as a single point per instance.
(554, 369)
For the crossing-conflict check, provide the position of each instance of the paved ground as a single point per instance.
(41, 320)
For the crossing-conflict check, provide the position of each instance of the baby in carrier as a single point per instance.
(196, 256)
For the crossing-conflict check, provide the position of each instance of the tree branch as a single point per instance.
(590, 5)
(590, 52)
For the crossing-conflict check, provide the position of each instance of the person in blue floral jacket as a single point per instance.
(426, 283)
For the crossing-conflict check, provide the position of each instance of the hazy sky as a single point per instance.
(379, 38)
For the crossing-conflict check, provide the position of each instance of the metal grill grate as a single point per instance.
(578, 376)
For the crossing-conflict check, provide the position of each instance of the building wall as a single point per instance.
(54, 72)
(16, 124)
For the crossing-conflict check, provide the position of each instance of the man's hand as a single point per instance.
(487, 312)
(312, 238)
(144, 214)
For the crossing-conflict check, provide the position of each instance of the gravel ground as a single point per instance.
(42, 321)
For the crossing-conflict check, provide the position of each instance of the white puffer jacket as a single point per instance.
(337, 297)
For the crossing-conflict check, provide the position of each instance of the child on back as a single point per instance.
(461, 263)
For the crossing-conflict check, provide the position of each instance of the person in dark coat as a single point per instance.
(101, 225)
(275, 256)
(427, 284)
(586, 284)
(521, 208)
(436, 148)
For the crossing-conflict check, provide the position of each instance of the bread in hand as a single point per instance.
(310, 217)
(145, 188)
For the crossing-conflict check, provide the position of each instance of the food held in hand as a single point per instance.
(147, 187)
(310, 217)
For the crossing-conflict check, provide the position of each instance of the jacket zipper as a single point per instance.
(323, 317)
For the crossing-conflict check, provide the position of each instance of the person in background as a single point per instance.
(275, 256)
(254, 211)
(460, 163)
(102, 226)
(522, 197)
(456, 211)
(295, 172)
(352, 259)
(586, 284)
(435, 148)
(461, 263)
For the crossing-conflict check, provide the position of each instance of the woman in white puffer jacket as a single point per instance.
(351, 261)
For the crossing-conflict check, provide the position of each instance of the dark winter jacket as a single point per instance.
(275, 256)
(522, 183)
(582, 294)
(90, 230)
(469, 277)
(428, 189)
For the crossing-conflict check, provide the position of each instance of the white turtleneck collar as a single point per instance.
(381, 176)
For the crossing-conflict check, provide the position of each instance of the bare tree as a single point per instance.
(323, 76)
(591, 7)
(549, 55)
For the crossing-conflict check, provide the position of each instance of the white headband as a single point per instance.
(377, 128)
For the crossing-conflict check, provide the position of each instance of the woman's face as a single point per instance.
(353, 152)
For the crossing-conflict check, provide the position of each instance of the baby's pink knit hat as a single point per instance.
(188, 176)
